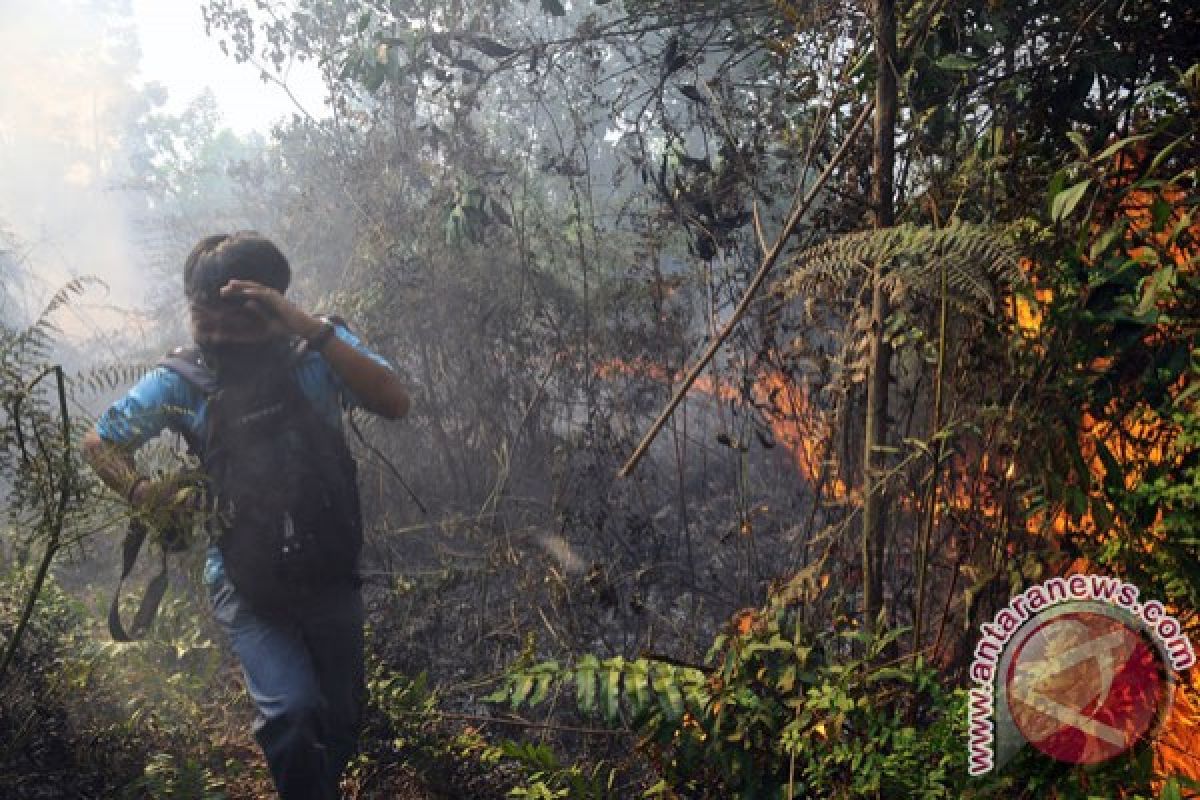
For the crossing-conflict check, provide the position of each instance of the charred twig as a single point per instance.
(743, 305)
(523, 723)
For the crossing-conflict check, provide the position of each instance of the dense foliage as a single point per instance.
(542, 213)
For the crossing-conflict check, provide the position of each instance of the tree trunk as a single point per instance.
(874, 461)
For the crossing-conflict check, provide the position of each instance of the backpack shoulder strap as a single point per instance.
(154, 591)
(188, 363)
(297, 350)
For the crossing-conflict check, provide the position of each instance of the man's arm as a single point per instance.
(140, 415)
(377, 386)
(112, 462)
(116, 467)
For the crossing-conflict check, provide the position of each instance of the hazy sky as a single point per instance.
(70, 71)
(177, 54)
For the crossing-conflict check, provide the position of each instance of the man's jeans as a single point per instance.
(305, 675)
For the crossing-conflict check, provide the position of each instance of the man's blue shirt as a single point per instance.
(163, 400)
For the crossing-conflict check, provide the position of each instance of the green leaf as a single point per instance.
(1106, 239)
(1120, 144)
(895, 674)
(1079, 141)
(585, 682)
(662, 788)
(541, 688)
(1160, 212)
(1065, 201)
(1154, 287)
(1163, 154)
(498, 696)
(375, 77)
(787, 681)
(637, 683)
(521, 688)
(956, 62)
(1184, 224)
(553, 7)
(1057, 182)
(456, 226)
(1178, 402)
(669, 696)
(610, 693)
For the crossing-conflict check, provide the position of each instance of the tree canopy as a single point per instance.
(938, 261)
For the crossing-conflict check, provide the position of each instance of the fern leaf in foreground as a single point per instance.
(978, 259)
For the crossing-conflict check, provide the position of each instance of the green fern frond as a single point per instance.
(38, 339)
(606, 686)
(977, 259)
(106, 378)
(73, 288)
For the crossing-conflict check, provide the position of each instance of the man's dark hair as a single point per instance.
(222, 257)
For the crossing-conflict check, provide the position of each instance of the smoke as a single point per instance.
(77, 89)
(67, 103)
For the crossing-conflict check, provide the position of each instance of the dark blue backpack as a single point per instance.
(281, 487)
(282, 484)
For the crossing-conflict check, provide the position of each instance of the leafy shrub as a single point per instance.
(42, 748)
(783, 712)
(406, 741)
(773, 714)
(405, 726)
(165, 777)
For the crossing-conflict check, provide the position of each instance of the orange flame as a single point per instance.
(1135, 441)
(794, 423)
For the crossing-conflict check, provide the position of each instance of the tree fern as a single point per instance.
(107, 378)
(32, 456)
(35, 344)
(977, 258)
(640, 686)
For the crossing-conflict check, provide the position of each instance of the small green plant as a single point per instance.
(549, 778)
(405, 725)
(167, 778)
(401, 726)
(34, 677)
(174, 670)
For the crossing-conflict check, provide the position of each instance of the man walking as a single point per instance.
(259, 401)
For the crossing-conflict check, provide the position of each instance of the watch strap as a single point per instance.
(320, 339)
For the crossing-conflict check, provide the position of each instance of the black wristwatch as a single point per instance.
(317, 341)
